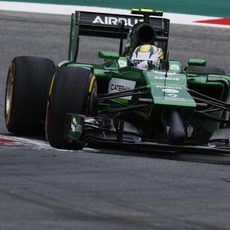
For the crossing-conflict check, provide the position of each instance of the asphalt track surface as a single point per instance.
(43, 188)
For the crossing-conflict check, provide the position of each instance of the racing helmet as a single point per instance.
(147, 57)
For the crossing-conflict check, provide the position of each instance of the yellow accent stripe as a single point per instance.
(51, 84)
(147, 10)
(11, 79)
(91, 83)
(48, 104)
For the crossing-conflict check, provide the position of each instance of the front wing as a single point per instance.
(107, 132)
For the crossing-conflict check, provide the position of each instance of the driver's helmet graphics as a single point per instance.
(147, 57)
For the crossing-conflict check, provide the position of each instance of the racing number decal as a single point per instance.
(171, 92)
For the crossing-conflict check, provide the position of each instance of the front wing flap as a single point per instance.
(119, 134)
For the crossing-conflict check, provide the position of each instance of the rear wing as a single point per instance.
(111, 26)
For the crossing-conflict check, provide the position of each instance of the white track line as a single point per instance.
(184, 19)
(34, 144)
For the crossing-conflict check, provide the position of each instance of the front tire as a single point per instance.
(71, 91)
(26, 94)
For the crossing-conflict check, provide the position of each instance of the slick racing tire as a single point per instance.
(26, 94)
(72, 91)
(205, 70)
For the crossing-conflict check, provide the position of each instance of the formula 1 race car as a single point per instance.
(164, 107)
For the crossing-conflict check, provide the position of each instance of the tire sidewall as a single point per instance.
(69, 93)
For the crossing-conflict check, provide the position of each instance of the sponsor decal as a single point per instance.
(168, 87)
(163, 72)
(106, 20)
(189, 130)
(119, 85)
(167, 78)
(172, 95)
(170, 90)
(179, 99)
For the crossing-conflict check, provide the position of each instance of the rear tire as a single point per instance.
(26, 94)
(71, 91)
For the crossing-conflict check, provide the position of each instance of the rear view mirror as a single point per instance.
(197, 62)
(108, 55)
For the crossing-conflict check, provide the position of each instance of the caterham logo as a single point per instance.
(117, 85)
(115, 21)
(119, 88)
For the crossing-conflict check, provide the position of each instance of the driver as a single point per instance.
(147, 57)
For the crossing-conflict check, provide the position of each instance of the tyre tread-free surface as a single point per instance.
(69, 94)
(31, 78)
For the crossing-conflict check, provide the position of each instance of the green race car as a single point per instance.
(126, 102)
